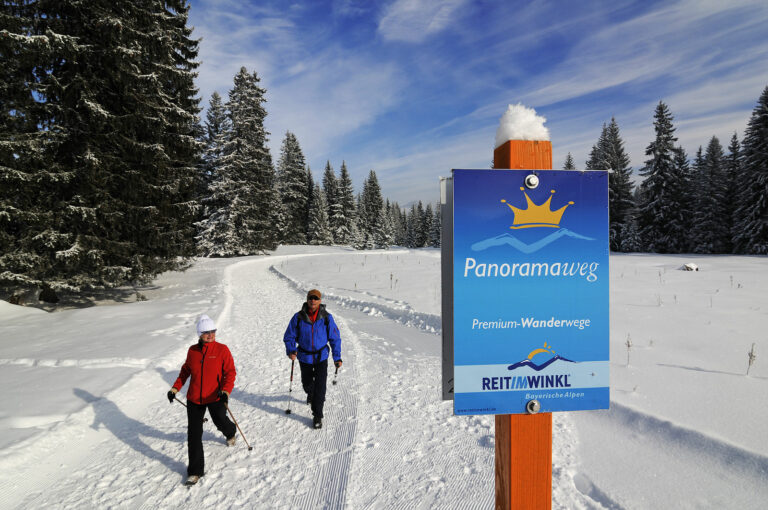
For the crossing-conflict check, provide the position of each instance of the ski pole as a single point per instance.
(334, 375)
(185, 405)
(290, 388)
(238, 426)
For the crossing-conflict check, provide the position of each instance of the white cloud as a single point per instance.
(335, 94)
(414, 20)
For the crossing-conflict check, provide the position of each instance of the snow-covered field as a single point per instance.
(85, 422)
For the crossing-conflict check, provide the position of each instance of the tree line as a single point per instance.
(715, 203)
(108, 176)
(250, 206)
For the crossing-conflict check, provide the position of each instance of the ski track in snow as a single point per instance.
(145, 468)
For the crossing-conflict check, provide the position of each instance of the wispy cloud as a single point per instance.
(413, 88)
(415, 20)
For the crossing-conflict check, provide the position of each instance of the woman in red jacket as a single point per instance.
(211, 370)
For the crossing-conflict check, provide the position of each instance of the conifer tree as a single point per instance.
(688, 200)
(597, 156)
(733, 177)
(429, 217)
(335, 208)
(608, 154)
(244, 222)
(346, 230)
(371, 206)
(294, 190)
(309, 181)
(435, 234)
(751, 225)
(384, 228)
(319, 227)
(630, 237)
(115, 141)
(216, 132)
(710, 232)
(659, 215)
(569, 163)
(619, 181)
(397, 224)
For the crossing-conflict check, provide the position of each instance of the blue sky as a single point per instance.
(413, 88)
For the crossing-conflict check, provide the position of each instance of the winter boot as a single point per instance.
(192, 480)
(317, 422)
(231, 441)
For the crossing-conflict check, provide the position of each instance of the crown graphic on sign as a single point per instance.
(537, 215)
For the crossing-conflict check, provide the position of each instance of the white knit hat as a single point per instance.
(205, 323)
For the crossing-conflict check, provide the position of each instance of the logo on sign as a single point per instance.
(528, 362)
(533, 216)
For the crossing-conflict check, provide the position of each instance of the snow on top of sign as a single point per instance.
(520, 123)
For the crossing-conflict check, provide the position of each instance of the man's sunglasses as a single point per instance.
(313, 298)
(207, 332)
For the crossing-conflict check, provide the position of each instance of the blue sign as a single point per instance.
(530, 276)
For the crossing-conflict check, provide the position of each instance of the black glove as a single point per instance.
(337, 363)
(171, 396)
(223, 397)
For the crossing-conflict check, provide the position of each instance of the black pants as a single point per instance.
(314, 378)
(195, 415)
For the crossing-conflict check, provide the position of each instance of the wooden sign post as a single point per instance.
(524, 442)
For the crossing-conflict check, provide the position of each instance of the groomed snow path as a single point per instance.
(387, 440)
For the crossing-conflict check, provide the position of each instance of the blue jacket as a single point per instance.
(310, 340)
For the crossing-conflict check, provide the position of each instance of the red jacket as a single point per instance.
(212, 369)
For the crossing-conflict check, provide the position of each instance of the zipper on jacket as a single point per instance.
(202, 371)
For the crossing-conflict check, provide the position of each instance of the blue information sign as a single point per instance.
(530, 276)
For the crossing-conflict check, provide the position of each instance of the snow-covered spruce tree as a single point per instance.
(346, 231)
(569, 163)
(659, 217)
(398, 224)
(619, 182)
(710, 234)
(596, 160)
(412, 227)
(294, 190)
(24, 158)
(335, 209)
(733, 179)
(427, 219)
(319, 227)
(310, 184)
(435, 234)
(364, 238)
(630, 237)
(751, 218)
(116, 163)
(609, 154)
(689, 198)
(385, 227)
(383, 230)
(217, 131)
(244, 224)
(370, 209)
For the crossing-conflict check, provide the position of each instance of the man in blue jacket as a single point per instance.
(307, 337)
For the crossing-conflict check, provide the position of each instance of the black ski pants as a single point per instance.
(195, 415)
(314, 377)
